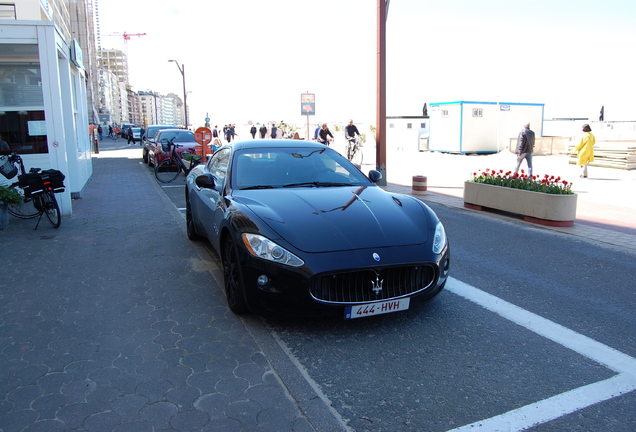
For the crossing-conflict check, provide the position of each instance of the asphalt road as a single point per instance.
(455, 361)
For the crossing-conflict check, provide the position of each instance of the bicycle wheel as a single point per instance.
(356, 156)
(50, 207)
(167, 171)
(26, 209)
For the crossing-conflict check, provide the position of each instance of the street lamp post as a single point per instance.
(185, 94)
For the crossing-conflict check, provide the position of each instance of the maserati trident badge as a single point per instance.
(377, 284)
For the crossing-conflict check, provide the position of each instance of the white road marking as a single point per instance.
(564, 403)
(313, 384)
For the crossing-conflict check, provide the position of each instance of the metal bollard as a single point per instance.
(420, 185)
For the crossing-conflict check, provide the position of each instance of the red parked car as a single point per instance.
(184, 138)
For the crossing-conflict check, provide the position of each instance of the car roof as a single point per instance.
(175, 130)
(269, 143)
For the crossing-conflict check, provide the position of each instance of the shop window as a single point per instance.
(409, 125)
(24, 131)
(22, 122)
(20, 85)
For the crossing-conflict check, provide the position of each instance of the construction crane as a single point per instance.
(126, 37)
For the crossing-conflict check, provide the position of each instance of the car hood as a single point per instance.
(329, 219)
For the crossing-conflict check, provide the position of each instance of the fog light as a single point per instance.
(262, 280)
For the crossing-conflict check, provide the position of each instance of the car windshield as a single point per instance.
(179, 136)
(266, 168)
(152, 130)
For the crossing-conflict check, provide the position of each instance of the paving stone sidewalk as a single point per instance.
(114, 322)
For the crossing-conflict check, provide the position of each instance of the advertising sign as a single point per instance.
(307, 104)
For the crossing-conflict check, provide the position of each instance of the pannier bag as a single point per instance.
(7, 168)
(33, 183)
(55, 179)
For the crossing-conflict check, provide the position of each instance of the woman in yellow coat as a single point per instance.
(585, 149)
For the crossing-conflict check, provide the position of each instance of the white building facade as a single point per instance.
(43, 94)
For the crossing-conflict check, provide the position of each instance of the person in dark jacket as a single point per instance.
(525, 147)
(263, 131)
(253, 131)
(323, 135)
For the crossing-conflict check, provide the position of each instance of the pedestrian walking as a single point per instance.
(253, 131)
(525, 147)
(142, 131)
(100, 132)
(110, 132)
(263, 131)
(229, 133)
(274, 131)
(215, 132)
(585, 149)
(116, 132)
(130, 135)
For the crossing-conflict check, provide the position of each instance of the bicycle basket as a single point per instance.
(186, 155)
(165, 149)
(7, 168)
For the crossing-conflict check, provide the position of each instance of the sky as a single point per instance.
(250, 60)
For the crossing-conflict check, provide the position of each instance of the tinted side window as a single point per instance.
(217, 166)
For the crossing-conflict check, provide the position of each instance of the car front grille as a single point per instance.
(358, 286)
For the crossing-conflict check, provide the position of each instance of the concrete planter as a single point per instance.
(538, 207)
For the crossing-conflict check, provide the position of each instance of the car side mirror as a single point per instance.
(205, 181)
(375, 176)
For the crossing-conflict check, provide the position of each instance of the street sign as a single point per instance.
(203, 136)
(307, 104)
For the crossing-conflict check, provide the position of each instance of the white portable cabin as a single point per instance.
(480, 127)
(407, 132)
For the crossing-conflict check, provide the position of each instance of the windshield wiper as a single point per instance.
(327, 184)
(258, 187)
(308, 184)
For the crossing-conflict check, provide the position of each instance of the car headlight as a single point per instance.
(264, 248)
(439, 241)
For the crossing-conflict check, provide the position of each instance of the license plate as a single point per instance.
(365, 310)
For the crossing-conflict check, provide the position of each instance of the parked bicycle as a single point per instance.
(354, 151)
(37, 188)
(168, 170)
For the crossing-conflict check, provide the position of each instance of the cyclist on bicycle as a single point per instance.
(323, 135)
(350, 131)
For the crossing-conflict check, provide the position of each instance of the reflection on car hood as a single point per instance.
(328, 219)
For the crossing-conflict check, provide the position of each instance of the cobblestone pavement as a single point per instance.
(115, 322)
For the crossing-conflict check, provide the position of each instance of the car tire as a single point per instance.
(190, 227)
(233, 279)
